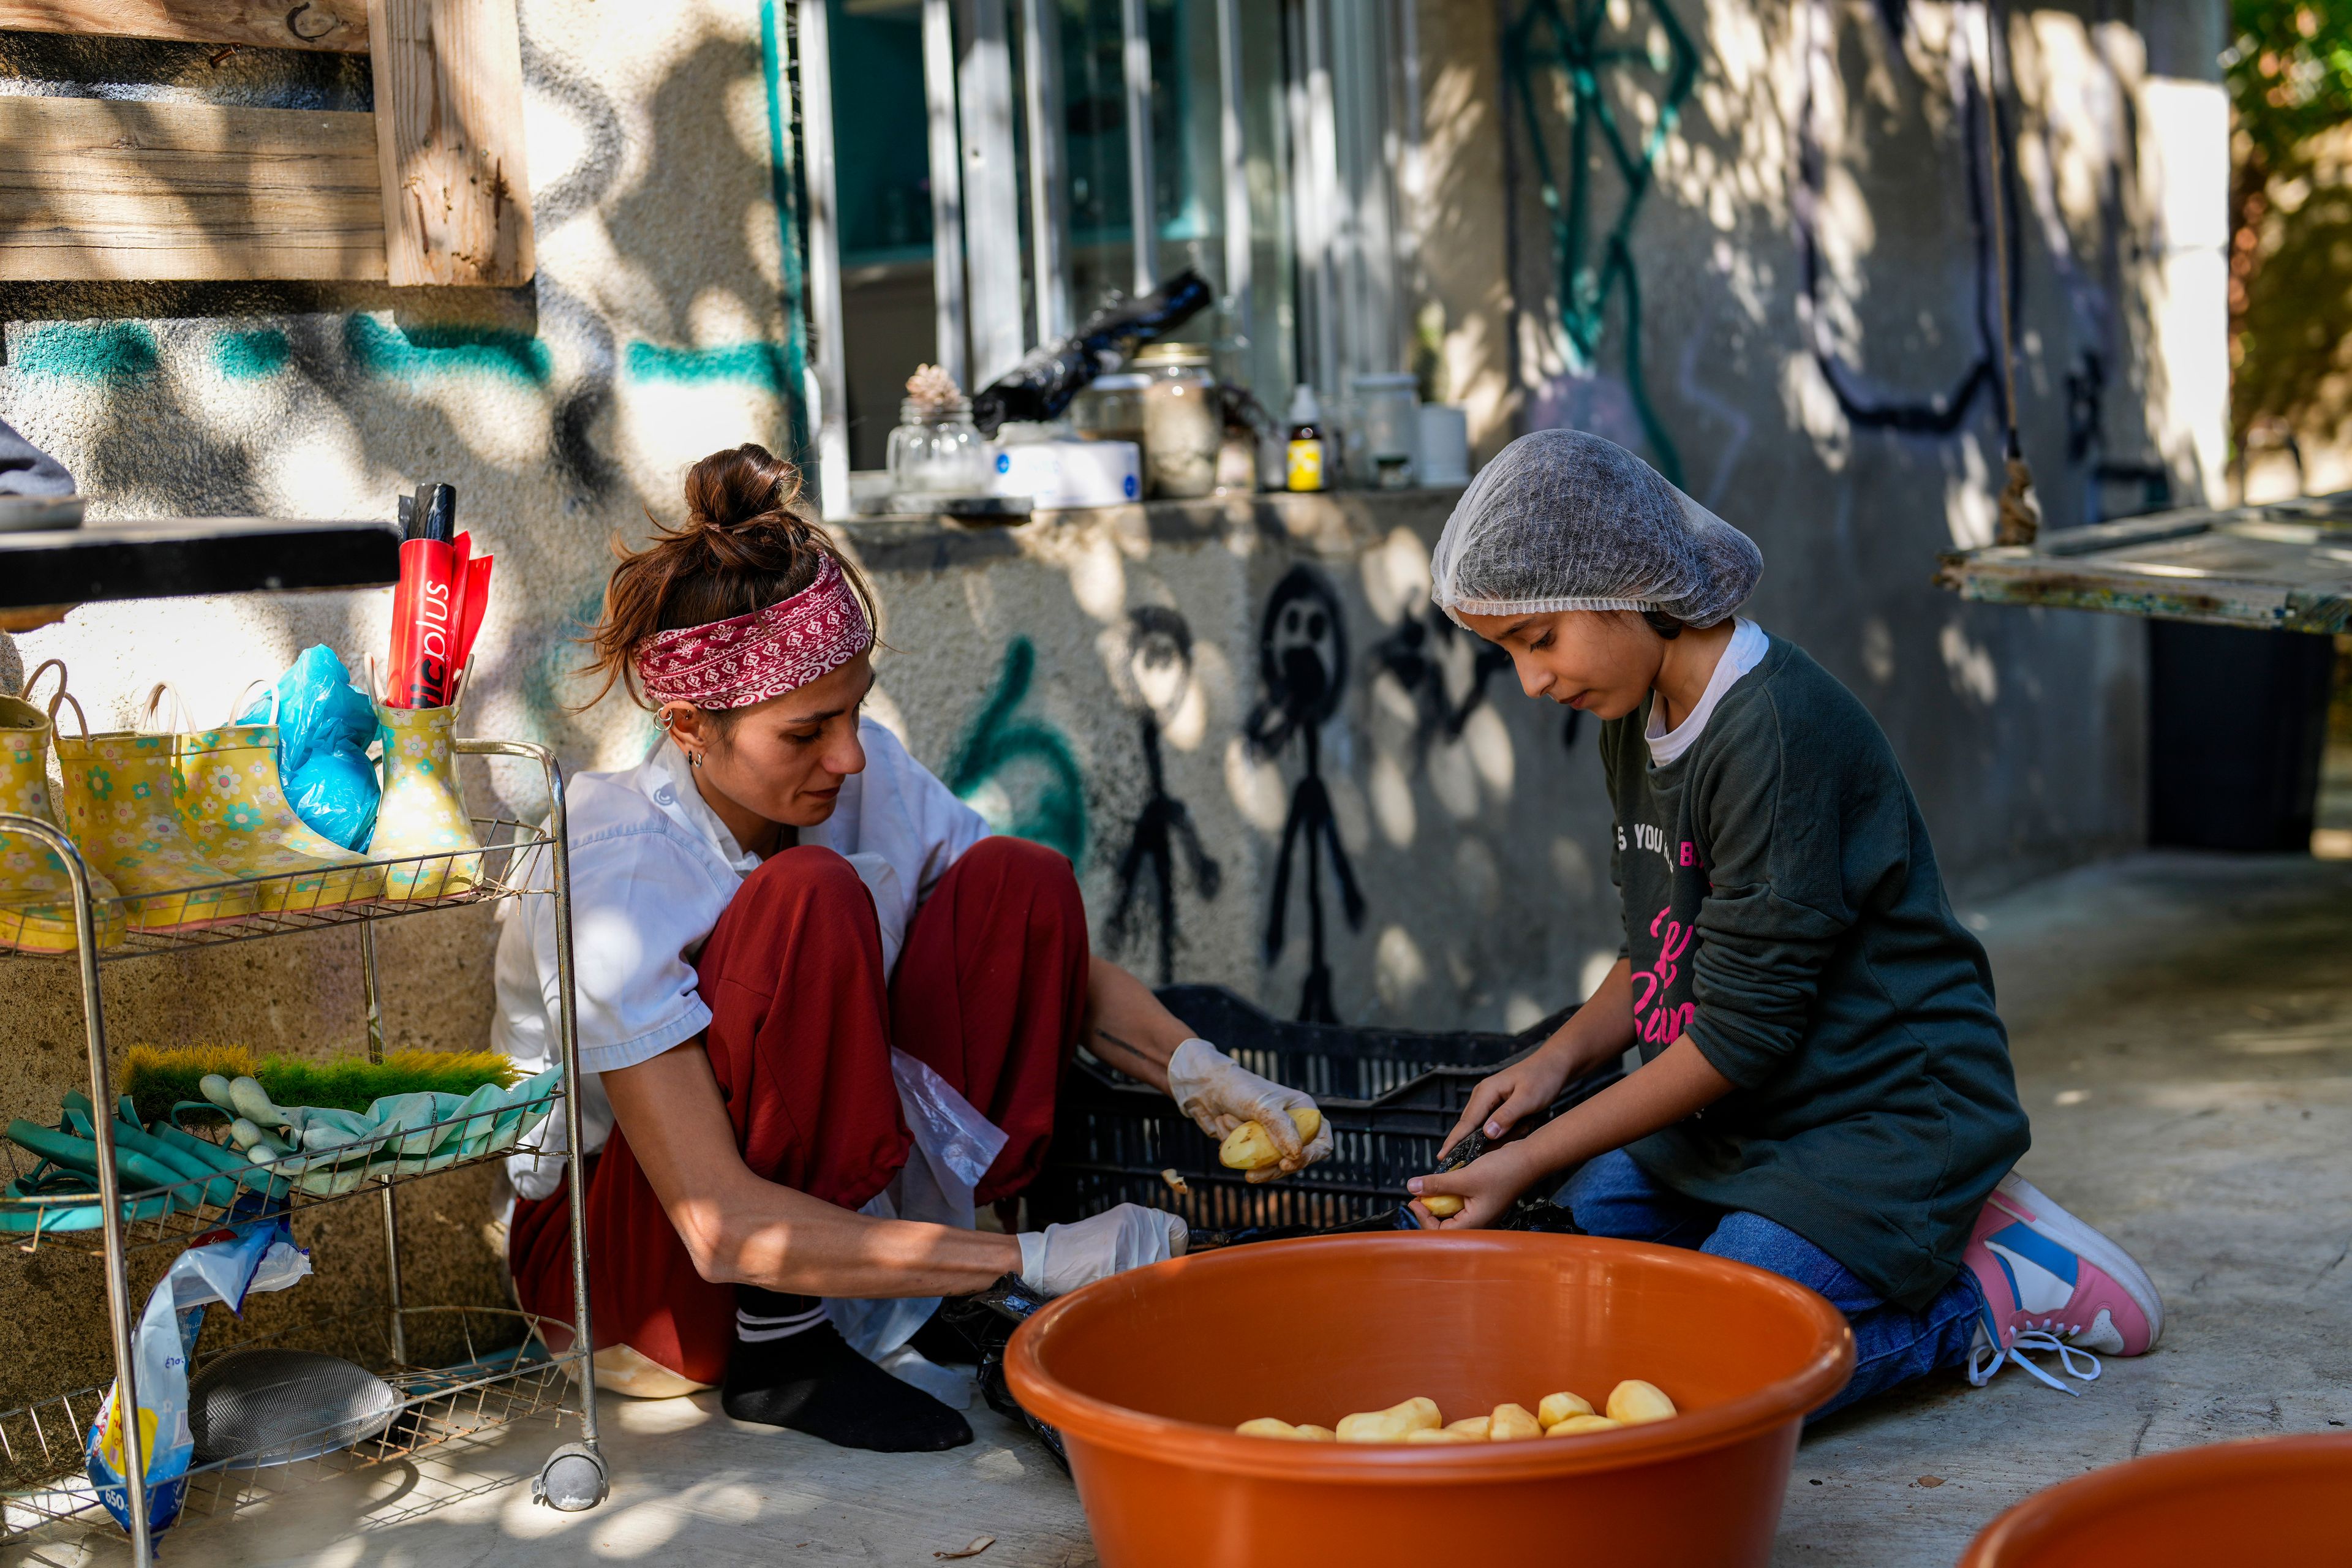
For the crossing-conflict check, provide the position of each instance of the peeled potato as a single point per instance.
(1634, 1403)
(1577, 1426)
(1444, 1205)
(1314, 1434)
(1441, 1434)
(1510, 1423)
(1266, 1426)
(1558, 1407)
(1247, 1147)
(1470, 1427)
(1391, 1424)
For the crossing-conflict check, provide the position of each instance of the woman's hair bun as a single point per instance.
(747, 487)
(745, 544)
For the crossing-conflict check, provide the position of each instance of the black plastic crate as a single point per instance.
(1390, 1097)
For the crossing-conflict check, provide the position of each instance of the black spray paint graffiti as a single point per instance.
(1303, 662)
(1160, 663)
(1942, 413)
(1412, 654)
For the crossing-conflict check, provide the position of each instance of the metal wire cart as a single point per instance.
(504, 1370)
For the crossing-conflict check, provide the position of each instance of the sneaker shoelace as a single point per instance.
(2039, 1336)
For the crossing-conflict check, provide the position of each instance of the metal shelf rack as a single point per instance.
(41, 1445)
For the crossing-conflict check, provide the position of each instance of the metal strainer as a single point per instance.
(267, 1406)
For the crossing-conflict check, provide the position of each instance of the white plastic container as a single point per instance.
(1444, 454)
(1067, 473)
(1390, 405)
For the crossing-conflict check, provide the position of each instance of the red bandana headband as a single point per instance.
(749, 658)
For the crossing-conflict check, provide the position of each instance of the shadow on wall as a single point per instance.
(1886, 275)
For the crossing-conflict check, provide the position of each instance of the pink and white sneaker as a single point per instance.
(2052, 1283)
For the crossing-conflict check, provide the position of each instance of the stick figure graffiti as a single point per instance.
(1160, 663)
(1303, 659)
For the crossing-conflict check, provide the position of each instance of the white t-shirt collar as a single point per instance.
(1746, 650)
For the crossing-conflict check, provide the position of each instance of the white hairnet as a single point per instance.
(1566, 521)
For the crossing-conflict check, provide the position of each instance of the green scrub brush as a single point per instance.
(158, 1078)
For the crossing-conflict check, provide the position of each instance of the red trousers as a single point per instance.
(989, 990)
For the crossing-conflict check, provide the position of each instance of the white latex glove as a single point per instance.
(1059, 1258)
(1220, 1094)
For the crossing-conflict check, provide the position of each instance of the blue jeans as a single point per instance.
(1614, 1197)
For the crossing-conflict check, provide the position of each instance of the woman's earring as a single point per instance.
(693, 759)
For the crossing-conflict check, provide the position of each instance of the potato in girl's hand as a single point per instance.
(1444, 1205)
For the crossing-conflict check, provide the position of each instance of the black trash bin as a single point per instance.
(2237, 731)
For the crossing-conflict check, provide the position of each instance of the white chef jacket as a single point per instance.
(651, 868)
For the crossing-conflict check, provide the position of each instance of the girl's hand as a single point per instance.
(1525, 1087)
(1488, 1187)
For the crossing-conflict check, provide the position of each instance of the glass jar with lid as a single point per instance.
(1110, 408)
(1183, 425)
(935, 452)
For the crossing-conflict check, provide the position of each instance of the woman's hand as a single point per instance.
(1527, 1087)
(1488, 1187)
(1220, 1094)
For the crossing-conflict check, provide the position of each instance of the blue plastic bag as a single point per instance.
(325, 726)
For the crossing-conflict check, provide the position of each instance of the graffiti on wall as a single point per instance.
(1160, 665)
(1414, 655)
(1578, 45)
(1303, 665)
(1934, 414)
(1979, 75)
(1018, 770)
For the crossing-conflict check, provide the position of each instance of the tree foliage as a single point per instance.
(2289, 73)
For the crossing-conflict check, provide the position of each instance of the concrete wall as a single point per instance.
(1799, 329)
(1027, 663)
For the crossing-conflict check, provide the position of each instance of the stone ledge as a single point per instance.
(1330, 523)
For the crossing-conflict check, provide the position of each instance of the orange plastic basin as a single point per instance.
(1148, 1372)
(2262, 1500)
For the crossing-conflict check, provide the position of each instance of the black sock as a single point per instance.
(782, 1373)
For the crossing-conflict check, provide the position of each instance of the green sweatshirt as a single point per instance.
(1783, 909)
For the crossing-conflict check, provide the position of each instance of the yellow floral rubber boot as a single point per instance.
(118, 811)
(36, 912)
(225, 787)
(421, 815)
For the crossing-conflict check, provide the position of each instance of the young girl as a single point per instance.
(783, 929)
(1825, 1087)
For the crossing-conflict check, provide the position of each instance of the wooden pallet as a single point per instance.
(429, 189)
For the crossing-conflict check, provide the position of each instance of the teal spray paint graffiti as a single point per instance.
(1000, 739)
(107, 351)
(784, 179)
(1546, 38)
(760, 364)
(254, 356)
(415, 352)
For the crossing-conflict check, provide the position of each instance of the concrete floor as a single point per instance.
(2183, 1032)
